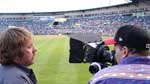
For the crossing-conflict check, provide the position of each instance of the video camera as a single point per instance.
(89, 48)
(100, 57)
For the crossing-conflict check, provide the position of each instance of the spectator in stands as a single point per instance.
(16, 54)
(132, 45)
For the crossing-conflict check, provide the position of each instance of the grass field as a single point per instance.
(51, 62)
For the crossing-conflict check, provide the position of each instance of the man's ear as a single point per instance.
(125, 51)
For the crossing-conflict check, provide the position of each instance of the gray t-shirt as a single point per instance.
(16, 74)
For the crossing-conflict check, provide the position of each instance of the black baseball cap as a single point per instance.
(132, 37)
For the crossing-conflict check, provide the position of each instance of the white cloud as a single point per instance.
(52, 5)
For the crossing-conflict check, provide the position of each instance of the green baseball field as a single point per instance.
(51, 62)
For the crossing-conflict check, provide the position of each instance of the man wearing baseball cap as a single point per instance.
(132, 47)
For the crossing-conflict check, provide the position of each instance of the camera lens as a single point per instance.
(94, 67)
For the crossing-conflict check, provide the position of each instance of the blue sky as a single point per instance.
(11, 6)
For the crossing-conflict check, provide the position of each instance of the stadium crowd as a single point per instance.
(105, 24)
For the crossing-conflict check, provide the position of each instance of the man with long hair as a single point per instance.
(16, 54)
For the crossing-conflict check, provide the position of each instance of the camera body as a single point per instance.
(100, 57)
(91, 49)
